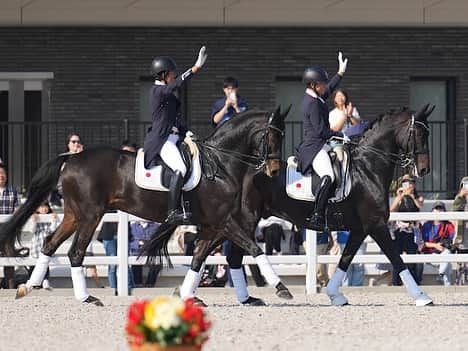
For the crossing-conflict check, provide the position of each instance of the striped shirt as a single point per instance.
(9, 200)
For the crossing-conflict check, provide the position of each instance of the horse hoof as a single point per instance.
(199, 302)
(282, 292)
(424, 300)
(93, 300)
(338, 300)
(22, 291)
(253, 301)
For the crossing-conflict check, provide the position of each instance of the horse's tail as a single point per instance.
(43, 182)
(156, 247)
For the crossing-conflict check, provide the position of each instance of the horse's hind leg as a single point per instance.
(382, 237)
(52, 242)
(83, 236)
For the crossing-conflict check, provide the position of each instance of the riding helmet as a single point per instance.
(314, 75)
(162, 64)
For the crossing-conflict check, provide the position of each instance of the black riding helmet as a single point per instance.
(314, 75)
(161, 65)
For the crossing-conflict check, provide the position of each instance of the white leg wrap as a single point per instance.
(413, 289)
(79, 283)
(267, 271)
(333, 286)
(238, 279)
(190, 284)
(39, 272)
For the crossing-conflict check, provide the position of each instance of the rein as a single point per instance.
(404, 159)
(256, 162)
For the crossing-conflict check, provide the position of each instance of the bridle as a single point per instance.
(408, 158)
(255, 161)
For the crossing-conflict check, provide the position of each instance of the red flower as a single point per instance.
(136, 312)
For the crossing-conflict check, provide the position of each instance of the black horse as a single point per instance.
(102, 179)
(395, 139)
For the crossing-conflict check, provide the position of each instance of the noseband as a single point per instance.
(409, 157)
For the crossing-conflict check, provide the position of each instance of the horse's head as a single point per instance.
(412, 138)
(270, 141)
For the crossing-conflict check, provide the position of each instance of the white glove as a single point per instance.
(346, 138)
(202, 55)
(342, 64)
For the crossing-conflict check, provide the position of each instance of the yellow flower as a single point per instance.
(163, 312)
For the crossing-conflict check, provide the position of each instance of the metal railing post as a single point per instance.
(122, 253)
(311, 253)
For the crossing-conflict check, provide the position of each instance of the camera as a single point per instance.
(465, 185)
(405, 185)
(448, 244)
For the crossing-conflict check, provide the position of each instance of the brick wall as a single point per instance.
(97, 70)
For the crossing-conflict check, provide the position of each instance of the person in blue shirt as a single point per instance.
(228, 106)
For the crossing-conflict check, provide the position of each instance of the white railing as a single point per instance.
(122, 260)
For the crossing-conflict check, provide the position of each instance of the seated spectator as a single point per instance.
(40, 231)
(214, 275)
(438, 238)
(140, 232)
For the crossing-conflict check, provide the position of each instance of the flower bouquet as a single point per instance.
(166, 324)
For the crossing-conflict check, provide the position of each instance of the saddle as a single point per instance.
(159, 177)
(303, 187)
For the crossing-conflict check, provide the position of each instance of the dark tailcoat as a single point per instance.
(316, 128)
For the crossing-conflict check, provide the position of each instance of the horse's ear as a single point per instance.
(285, 114)
(425, 112)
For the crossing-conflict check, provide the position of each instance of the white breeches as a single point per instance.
(171, 156)
(322, 164)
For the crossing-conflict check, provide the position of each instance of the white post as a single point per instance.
(122, 253)
(311, 253)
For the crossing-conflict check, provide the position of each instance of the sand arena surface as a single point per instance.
(379, 319)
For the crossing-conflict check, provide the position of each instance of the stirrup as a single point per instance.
(316, 222)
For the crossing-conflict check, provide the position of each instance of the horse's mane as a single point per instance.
(389, 114)
(232, 123)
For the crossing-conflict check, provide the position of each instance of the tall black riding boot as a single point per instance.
(317, 220)
(175, 214)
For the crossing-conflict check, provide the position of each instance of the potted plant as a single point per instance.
(166, 324)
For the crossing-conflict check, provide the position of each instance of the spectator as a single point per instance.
(460, 204)
(74, 144)
(140, 232)
(356, 271)
(341, 117)
(9, 202)
(295, 241)
(40, 231)
(214, 275)
(228, 106)
(438, 238)
(405, 233)
(108, 237)
(273, 234)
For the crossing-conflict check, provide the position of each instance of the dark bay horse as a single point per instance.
(102, 179)
(393, 139)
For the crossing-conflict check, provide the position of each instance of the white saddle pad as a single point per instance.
(299, 187)
(151, 178)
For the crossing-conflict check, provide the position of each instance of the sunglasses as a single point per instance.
(75, 141)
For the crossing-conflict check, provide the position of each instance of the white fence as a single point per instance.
(122, 260)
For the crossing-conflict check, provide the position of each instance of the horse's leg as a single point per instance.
(193, 275)
(83, 236)
(239, 237)
(234, 259)
(52, 242)
(382, 237)
(356, 237)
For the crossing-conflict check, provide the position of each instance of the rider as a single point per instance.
(168, 126)
(312, 153)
